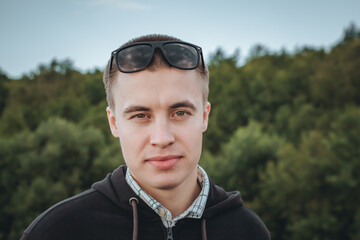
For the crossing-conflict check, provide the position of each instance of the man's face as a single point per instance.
(159, 117)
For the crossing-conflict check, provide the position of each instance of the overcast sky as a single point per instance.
(86, 31)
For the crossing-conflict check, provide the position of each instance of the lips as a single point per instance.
(164, 162)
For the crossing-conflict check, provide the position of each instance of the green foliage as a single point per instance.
(223, 82)
(53, 90)
(242, 159)
(94, 88)
(96, 117)
(351, 33)
(56, 161)
(299, 169)
(3, 90)
(258, 51)
(311, 192)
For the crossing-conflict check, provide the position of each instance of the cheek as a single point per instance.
(191, 137)
(131, 142)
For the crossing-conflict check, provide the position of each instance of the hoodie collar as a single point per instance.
(116, 189)
(194, 211)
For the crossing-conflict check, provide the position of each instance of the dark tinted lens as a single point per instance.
(134, 58)
(181, 55)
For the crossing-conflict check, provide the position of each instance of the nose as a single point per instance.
(161, 135)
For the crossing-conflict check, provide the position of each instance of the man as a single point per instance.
(157, 89)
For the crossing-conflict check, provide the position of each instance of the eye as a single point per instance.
(140, 115)
(180, 115)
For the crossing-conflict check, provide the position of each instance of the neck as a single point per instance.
(179, 198)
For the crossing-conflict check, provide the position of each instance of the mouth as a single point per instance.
(164, 162)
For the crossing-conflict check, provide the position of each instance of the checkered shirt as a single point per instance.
(194, 211)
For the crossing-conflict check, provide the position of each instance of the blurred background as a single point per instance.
(284, 87)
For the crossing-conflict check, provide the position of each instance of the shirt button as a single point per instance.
(162, 212)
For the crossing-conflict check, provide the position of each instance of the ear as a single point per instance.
(112, 122)
(206, 114)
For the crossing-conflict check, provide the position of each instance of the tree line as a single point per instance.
(284, 130)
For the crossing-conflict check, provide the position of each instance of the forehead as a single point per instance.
(161, 87)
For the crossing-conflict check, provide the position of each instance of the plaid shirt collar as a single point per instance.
(194, 211)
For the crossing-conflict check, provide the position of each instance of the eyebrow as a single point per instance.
(185, 104)
(131, 109)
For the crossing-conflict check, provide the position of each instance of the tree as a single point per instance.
(38, 169)
(241, 160)
(4, 91)
(351, 33)
(311, 192)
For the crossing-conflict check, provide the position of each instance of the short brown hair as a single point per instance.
(156, 63)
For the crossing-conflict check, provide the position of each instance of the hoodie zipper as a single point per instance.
(169, 235)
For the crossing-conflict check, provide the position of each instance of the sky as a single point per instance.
(34, 32)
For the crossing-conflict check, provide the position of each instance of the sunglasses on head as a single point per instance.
(137, 56)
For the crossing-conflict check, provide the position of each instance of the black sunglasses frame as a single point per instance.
(156, 45)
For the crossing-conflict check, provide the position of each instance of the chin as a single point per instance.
(165, 184)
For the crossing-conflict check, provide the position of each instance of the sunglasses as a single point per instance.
(137, 56)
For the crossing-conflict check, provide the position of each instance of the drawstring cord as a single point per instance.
(133, 202)
(203, 229)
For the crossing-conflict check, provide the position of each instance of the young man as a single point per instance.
(157, 88)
